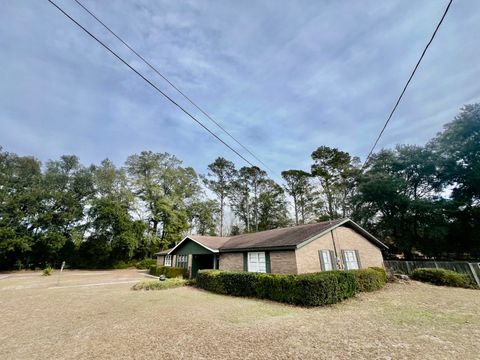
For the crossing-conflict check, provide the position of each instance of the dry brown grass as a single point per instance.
(403, 321)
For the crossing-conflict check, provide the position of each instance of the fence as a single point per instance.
(472, 269)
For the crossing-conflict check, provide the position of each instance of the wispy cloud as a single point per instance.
(284, 77)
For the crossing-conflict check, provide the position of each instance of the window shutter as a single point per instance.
(334, 260)
(357, 255)
(322, 264)
(344, 259)
(245, 261)
(267, 262)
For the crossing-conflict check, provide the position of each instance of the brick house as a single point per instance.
(339, 244)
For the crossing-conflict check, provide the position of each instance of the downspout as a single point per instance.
(334, 248)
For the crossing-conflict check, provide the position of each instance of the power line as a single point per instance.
(149, 82)
(408, 82)
(170, 83)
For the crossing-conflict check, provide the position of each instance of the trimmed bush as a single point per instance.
(159, 285)
(442, 277)
(370, 279)
(308, 289)
(168, 271)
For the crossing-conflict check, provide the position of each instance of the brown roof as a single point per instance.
(290, 237)
(285, 237)
(212, 242)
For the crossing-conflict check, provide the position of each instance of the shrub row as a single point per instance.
(442, 277)
(307, 289)
(168, 271)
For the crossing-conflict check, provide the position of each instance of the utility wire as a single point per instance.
(149, 82)
(408, 82)
(170, 83)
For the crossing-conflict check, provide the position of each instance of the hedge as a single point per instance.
(315, 289)
(442, 277)
(168, 271)
(370, 279)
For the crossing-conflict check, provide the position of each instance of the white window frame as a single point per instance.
(257, 262)
(168, 260)
(327, 260)
(350, 260)
(182, 261)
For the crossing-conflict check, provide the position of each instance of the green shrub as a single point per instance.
(211, 280)
(145, 263)
(47, 271)
(159, 285)
(442, 277)
(307, 289)
(121, 265)
(370, 279)
(168, 271)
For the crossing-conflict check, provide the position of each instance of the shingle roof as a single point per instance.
(285, 237)
(290, 237)
(212, 242)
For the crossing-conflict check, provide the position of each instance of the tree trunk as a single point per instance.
(296, 209)
(222, 199)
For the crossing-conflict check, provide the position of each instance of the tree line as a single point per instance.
(420, 200)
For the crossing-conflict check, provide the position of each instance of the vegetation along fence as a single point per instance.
(472, 269)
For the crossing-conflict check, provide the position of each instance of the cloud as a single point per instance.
(282, 77)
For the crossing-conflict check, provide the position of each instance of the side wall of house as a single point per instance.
(343, 238)
(160, 260)
(283, 262)
(231, 261)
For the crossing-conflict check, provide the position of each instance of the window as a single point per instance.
(350, 259)
(182, 261)
(256, 262)
(168, 260)
(327, 261)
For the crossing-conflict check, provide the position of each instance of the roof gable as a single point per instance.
(351, 224)
(203, 244)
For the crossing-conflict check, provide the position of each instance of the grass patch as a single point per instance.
(159, 285)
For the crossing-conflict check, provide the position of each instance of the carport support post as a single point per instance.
(214, 261)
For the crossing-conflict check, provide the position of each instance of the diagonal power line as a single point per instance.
(149, 82)
(170, 83)
(408, 82)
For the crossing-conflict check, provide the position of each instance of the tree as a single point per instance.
(458, 149)
(336, 171)
(298, 186)
(20, 196)
(165, 189)
(244, 195)
(68, 188)
(272, 206)
(397, 196)
(201, 216)
(219, 180)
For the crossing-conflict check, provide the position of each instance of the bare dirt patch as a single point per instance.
(403, 321)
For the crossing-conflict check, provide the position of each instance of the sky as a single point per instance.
(283, 77)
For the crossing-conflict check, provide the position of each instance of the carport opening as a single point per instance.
(204, 261)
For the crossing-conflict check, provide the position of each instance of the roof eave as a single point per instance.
(258, 248)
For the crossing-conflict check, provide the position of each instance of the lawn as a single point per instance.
(96, 315)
